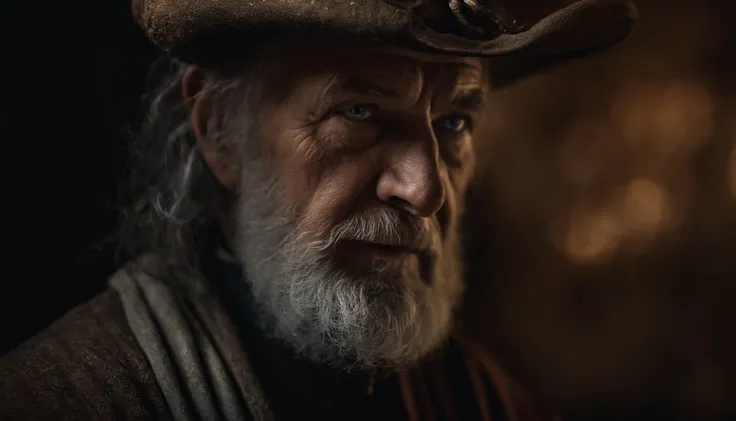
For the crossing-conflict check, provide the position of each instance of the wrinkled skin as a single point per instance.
(348, 214)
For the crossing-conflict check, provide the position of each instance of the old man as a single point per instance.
(296, 201)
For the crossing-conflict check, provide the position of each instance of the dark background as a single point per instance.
(73, 76)
(608, 196)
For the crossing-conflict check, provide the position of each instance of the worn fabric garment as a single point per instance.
(192, 353)
(148, 350)
(86, 366)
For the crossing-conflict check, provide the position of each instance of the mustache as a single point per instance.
(384, 226)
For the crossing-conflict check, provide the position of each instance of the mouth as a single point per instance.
(362, 255)
(380, 249)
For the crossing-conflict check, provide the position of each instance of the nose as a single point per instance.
(413, 180)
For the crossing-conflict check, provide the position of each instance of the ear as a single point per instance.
(202, 117)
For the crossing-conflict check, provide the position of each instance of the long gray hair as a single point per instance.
(170, 197)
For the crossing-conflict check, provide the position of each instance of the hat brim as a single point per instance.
(213, 33)
(580, 29)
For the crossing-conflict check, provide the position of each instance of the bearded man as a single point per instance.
(296, 208)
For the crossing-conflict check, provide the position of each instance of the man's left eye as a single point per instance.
(358, 112)
(455, 123)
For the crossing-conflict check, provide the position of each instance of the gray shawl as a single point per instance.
(192, 347)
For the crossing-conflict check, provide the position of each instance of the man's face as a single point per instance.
(349, 212)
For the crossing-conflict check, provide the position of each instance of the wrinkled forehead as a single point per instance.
(388, 65)
(406, 66)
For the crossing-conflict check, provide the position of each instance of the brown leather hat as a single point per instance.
(212, 32)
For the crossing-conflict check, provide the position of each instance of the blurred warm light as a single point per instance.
(639, 213)
(686, 113)
(621, 161)
(644, 207)
(592, 236)
(677, 116)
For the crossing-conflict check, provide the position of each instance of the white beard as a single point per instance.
(329, 315)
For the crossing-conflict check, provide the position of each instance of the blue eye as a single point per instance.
(455, 123)
(358, 113)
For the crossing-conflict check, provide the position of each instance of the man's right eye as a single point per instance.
(358, 112)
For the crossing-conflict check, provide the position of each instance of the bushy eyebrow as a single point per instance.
(361, 87)
(465, 98)
(469, 99)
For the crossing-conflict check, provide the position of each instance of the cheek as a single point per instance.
(307, 155)
(459, 184)
(339, 136)
(327, 171)
(456, 188)
(461, 176)
(334, 168)
(341, 192)
(293, 159)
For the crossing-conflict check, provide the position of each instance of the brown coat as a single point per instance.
(90, 365)
(86, 366)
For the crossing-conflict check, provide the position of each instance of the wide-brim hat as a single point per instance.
(215, 32)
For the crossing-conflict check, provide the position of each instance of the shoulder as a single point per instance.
(87, 365)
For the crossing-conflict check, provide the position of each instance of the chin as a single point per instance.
(382, 280)
(380, 320)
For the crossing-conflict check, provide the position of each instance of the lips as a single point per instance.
(361, 256)
(381, 248)
(394, 248)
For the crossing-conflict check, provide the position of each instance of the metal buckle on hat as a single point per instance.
(476, 19)
(484, 19)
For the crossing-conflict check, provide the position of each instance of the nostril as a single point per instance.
(402, 204)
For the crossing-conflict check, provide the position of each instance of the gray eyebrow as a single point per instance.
(363, 87)
(471, 99)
